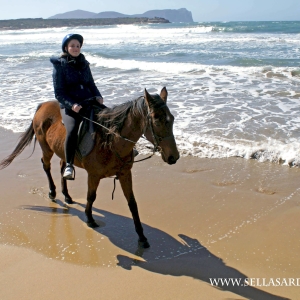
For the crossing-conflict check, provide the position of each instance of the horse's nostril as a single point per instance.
(171, 160)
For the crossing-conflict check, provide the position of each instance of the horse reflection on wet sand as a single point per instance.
(113, 151)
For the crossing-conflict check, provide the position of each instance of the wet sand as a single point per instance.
(204, 218)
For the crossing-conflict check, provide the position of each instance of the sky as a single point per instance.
(202, 10)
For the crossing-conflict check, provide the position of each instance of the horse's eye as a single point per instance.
(169, 120)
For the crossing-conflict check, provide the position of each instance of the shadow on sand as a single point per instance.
(166, 255)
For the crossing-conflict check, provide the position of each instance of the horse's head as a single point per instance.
(159, 130)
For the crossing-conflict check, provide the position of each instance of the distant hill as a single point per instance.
(75, 14)
(110, 14)
(173, 15)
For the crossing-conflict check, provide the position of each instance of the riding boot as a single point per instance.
(69, 172)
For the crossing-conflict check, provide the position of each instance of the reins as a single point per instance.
(157, 139)
(108, 129)
(155, 149)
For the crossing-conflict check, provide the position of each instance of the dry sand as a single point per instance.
(204, 218)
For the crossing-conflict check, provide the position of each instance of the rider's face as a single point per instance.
(73, 48)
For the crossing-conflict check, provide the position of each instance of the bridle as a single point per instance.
(156, 138)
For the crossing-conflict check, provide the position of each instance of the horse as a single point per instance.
(119, 128)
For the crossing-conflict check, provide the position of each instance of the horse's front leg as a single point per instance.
(93, 182)
(126, 184)
(64, 187)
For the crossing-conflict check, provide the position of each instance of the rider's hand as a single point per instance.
(99, 99)
(76, 107)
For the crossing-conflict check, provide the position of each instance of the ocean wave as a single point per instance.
(32, 56)
(256, 27)
(215, 147)
(196, 27)
(192, 68)
(150, 34)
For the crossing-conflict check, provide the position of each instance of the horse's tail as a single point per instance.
(25, 140)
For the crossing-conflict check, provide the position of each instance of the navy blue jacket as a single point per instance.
(73, 81)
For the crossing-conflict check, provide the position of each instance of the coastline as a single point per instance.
(38, 23)
(204, 218)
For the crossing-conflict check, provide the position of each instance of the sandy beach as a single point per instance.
(204, 218)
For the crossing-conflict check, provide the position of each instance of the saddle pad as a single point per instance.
(86, 141)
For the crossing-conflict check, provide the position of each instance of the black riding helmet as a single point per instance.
(71, 36)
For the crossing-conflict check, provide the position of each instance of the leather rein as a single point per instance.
(156, 141)
(156, 138)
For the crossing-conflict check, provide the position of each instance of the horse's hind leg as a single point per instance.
(47, 155)
(64, 187)
(126, 184)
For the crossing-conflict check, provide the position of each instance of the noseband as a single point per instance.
(156, 138)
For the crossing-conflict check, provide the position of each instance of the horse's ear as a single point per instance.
(164, 94)
(148, 97)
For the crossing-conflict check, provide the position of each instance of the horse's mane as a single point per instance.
(114, 118)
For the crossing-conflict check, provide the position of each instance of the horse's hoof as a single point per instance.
(52, 195)
(92, 224)
(69, 200)
(144, 244)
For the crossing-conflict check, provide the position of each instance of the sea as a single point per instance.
(234, 87)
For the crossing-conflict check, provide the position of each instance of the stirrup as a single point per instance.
(69, 175)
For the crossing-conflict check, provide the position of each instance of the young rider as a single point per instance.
(73, 82)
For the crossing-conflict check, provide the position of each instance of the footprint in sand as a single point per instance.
(265, 191)
(38, 191)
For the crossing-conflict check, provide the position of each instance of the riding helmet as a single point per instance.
(71, 36)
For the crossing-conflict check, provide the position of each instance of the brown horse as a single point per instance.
(112, 154)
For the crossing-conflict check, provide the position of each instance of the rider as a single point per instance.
(73, 82)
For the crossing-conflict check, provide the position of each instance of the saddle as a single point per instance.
(86, 136)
